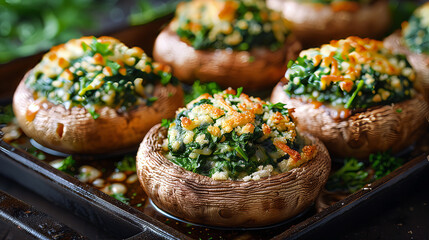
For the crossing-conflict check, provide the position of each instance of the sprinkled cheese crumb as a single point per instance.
(93, 72)
(348, 73)
(226, 136)
(229, 24)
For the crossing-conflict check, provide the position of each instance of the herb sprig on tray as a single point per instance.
(354, 174)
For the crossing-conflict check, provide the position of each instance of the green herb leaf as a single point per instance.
(165, 77)
(165, 123)
(98, 47)
(359, 87)
(240, 151)
(151, 100)
(384, 163)
(6, 114)
(92, 111)
(128, 163)
(351, 177)
(239, 91)
(36, 153)
(68, 165)
(121, 197)
(200, 88)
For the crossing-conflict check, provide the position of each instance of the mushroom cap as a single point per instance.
(75, 131)
(315, 24)
(419, 62)
(201, 199)
(380, 128)
(254, 69)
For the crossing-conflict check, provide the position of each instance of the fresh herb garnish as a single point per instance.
(359, 87)
(68, 165)
(121, 197)
(97, 47)
(165, 123)
(353, 175)
(384, 163)
(241, 152)
(199, 88)
(6, 114)
(36, 153)
(239, 91)
(128, 163)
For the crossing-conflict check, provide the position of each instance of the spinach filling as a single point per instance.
(89, 87)
(252, 24)
(416, 32)
(238, 154)
(370, 87)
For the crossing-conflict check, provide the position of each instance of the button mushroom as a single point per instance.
(258, 171)
(409, 41)
(359, 102)
(91, 96)
(315, 23)
(214, 42)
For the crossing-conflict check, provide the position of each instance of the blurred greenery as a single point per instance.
(147, 10)
(31, 26)
(401, 10)
(28, 27)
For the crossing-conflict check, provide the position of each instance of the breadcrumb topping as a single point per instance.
(235, 136)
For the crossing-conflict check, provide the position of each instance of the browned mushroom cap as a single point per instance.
(394, 126)
(75, 131)
(202, 200)
(315, 24)
(254, 69)
(419, 62)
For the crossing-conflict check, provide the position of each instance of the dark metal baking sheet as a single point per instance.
(124, 221)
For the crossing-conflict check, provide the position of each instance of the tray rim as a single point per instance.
(101, 200)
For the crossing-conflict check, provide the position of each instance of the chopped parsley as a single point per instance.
(384, 163)
(199, 88)
(121, 197)
(128, 163)
(6, 114)
(68, 165)
(354, 174)
(351, 177)
(165, 123)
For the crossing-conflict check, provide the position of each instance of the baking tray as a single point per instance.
(143, 221)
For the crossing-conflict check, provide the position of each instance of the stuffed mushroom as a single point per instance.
(234, 43)
(356, 96)
(316, 22)
(232, 160)
(94, 95)
(413, 41)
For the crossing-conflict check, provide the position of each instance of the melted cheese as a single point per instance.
(356, 52)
